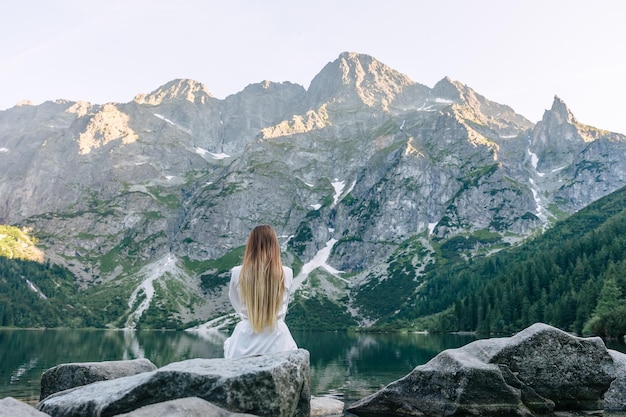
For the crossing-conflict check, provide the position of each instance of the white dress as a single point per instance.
(244, 341)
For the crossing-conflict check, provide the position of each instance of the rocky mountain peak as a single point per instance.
(447, 89)
(560, 120)
(266, 87)
(557, 137)
(471, 106)
(559, 113)
(176, 90)
(357, 78)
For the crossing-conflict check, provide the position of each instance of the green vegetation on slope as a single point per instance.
(573, 277)
(317, 313)
(39, 295)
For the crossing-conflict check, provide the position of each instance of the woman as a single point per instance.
(259, 293)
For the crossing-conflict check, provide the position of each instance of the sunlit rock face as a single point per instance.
(365, 160)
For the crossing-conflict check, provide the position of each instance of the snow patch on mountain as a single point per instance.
(534, 160)
(318, 261)
(541, 209)
(168, 121)
(203, 152)
(36, 290)
(339, 187)
(149, 274)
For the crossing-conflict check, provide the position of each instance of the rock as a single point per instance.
(10, 407)
(183, 407)
(70, 375)
(615, 397)
(454, 383)
(573, 372)
(326, 406)
(532, 373)
(269, 385)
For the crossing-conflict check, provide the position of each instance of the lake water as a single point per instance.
(347, 366)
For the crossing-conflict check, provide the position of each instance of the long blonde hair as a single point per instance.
(262, 280)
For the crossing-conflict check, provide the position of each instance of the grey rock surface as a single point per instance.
(326, 406)
(615, 397)
(183, 407)
(539, 370)
(573, 372)
(275, 385)
(454, 383)
(71, 375)
(10, 407)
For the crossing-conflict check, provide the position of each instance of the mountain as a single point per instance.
(367, 176)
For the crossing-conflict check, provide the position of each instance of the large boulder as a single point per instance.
(276, 385)
(10, 407)
(183, 407)
(70, 375)
(573, 372)
(615, 397)
(453, 383)
(532, 373)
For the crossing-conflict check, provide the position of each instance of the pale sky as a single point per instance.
(515, 52)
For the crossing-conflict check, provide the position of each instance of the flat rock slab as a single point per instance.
(326, 406)
(71, 375)
(184, 407)
(274, 385)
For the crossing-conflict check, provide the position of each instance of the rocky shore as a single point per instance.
(541, 371)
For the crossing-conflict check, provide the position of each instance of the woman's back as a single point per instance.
(245, 341)
(259, 292)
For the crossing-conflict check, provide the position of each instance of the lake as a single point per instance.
(347, 366)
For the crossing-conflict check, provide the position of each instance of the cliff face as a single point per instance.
(365, 162)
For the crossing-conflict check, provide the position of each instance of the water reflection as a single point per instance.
(353, 365)
(25, 354)
(348, 366)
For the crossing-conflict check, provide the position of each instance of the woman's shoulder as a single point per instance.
(288, 272)
(234, 272)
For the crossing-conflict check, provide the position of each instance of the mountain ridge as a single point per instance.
(366, 168)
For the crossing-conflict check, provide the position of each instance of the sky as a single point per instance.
(515, 52)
